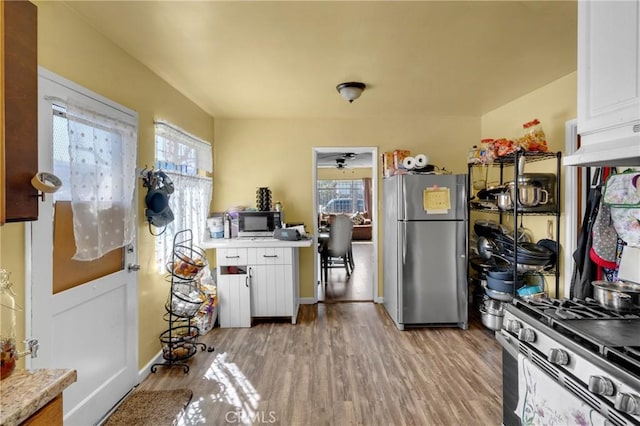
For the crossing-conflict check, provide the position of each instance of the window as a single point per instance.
(185, 159)
(94, 155)
(341, 196)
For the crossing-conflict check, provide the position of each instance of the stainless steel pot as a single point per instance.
(619, 296)
(491, 319)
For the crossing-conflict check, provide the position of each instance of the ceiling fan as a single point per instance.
(341, 163)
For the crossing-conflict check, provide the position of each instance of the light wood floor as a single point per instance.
(342, 364)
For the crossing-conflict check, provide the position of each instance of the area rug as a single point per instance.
(147, 407)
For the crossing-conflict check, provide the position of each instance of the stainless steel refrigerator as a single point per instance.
(424, 250)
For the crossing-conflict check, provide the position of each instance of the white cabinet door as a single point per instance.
(234, 294)
(608, 64)
(234, 300)
(271, 290)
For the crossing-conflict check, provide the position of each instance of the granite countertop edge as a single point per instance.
(26, 391)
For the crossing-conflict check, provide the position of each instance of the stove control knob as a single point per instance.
(601, 386)
(512, 325)
(558, 357)
(628, 403)
(526, 335)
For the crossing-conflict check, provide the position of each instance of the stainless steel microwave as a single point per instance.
(258, 223)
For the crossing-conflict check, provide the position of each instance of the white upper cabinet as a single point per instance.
(608, 65)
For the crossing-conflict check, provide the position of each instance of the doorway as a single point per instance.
(345, 182)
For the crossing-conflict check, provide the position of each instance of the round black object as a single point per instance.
(157, 200)
(501, 274)
(502, 285)
(534, 250)
(486, 228)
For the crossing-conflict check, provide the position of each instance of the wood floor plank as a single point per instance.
(342, 364)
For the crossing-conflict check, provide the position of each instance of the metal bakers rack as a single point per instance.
(180, 340)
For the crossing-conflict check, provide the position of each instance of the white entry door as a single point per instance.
(92, 325)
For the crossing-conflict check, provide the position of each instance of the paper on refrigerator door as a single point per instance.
(436, 200)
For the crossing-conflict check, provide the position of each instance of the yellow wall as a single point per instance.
(74, 50)
(343, 174)
(278, 153)
(554, 105)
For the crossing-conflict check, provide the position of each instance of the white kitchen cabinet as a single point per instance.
(256, 281)
(234, 292)
(608, 66)
(272, 273)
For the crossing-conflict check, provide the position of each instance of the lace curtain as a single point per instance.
(178, 151)
(184, 158)
(190, 205)
(102, 152)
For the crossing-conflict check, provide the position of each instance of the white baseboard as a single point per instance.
(308, 300)
(146, 370)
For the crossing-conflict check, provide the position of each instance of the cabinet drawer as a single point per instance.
(231, 256)
(269, 256)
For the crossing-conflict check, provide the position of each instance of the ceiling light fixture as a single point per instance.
(351, 90)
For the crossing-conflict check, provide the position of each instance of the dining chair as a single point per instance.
(336, 252)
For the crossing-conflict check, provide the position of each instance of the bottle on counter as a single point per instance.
(227, 225)
(8, 310)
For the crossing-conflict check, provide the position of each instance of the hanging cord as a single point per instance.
(161, 232)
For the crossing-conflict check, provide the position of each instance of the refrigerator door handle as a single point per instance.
(404, 242)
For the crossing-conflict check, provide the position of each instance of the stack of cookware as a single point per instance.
(492, 313)
(506, 267)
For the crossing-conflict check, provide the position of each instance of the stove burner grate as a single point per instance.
(547, 310)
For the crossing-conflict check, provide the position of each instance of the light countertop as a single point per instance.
(26, 391)
(247, 242)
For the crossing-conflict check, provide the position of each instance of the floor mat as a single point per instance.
(147, 407)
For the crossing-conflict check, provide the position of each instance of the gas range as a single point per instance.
(591, 351)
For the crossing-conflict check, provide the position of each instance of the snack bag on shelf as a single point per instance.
(533, 138)
(504, 147)
(487, 150)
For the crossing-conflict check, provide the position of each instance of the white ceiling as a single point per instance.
(349, 159)
(240, 59)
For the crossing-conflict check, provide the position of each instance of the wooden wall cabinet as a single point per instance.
(19, 99)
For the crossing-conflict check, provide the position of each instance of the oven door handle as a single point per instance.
(507, 342)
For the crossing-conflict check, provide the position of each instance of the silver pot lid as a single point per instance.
(622, 286)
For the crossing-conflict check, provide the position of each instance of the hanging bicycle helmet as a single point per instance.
(159, 188)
